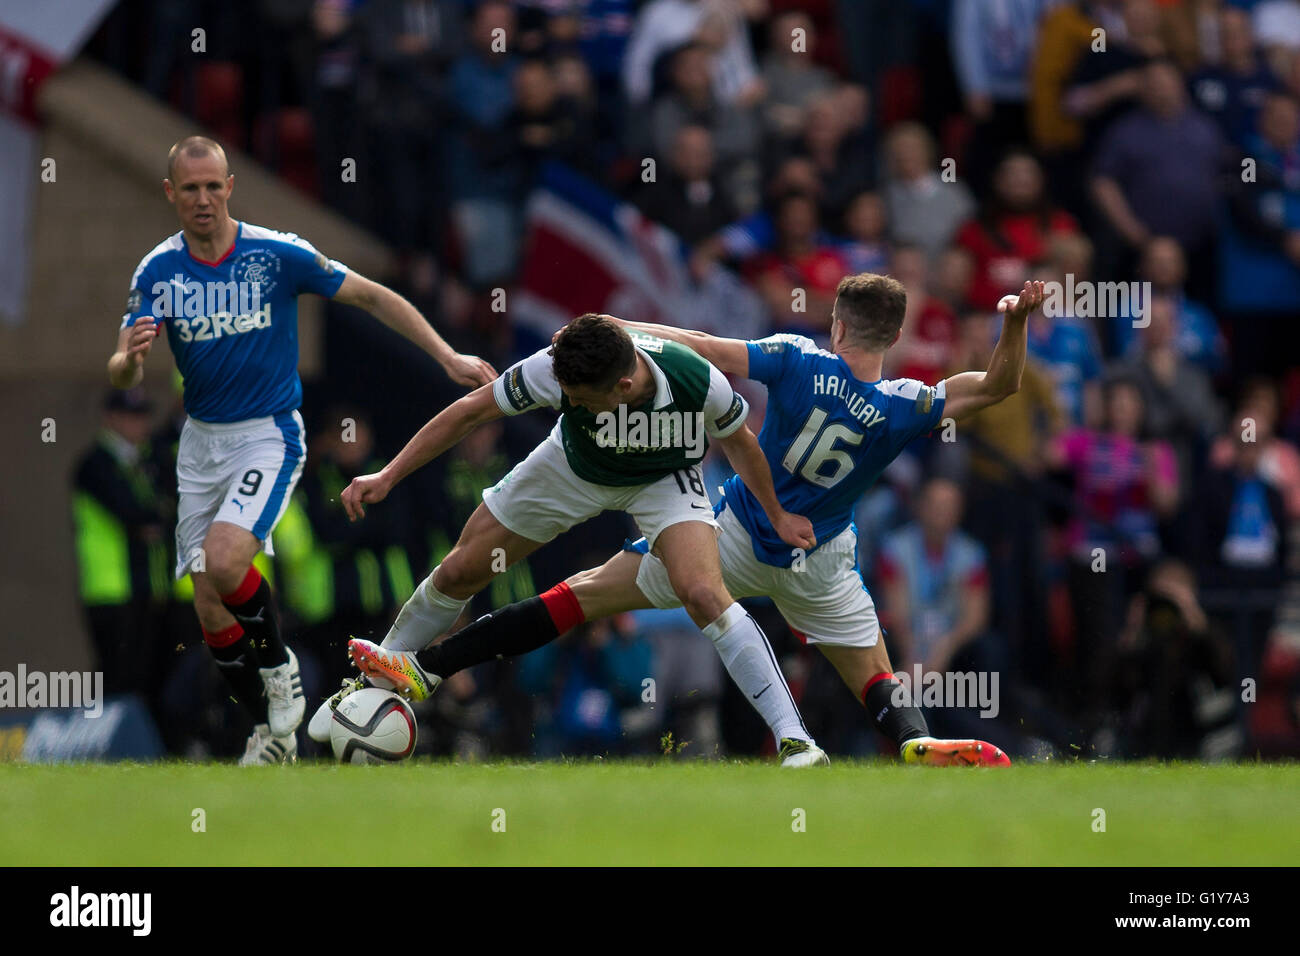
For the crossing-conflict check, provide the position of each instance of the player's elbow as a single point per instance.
(1004, 387)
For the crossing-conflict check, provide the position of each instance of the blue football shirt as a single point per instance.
(233, 324)
(827, 437)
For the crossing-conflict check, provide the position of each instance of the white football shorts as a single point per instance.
(822, 596)
(541, 498)
(240, 472)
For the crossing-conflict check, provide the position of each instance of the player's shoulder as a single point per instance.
(169, 246)
(274, 237)
(786, 342)
(911, 391)
(672, 358)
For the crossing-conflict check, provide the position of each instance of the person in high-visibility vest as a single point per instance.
(341, 579)
(121, 547)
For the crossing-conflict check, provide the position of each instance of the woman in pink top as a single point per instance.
(1123, 487)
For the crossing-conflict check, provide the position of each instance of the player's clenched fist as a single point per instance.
(143, 332)
(469, 370)
(364, 490)
(795, 530)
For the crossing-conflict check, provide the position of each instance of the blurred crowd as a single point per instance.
(1116, 540)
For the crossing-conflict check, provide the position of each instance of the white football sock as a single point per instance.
(428, 614)
(749, 660)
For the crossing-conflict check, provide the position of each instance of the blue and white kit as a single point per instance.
(232, 326)
(827, 437)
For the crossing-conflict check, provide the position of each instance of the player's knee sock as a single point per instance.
(253, 606)
(423, 617)
(749, 660)
(891, 709)
(513, 630)
(237, 659)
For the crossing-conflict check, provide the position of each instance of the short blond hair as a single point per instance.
(194, 147)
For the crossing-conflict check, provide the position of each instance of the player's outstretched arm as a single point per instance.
(443, 431)
(126, 364)
(405, 319)
(968, 392)
(729, 356)
(743, 451)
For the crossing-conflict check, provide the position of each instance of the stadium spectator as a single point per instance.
(1179, 402)
(406, 47)
(1173, 683)
(1012, 229)
(121, 552)
(1277, 29)
(1064, 344)
(484, 183)
(927, 343)
(1107, 82)
(1232, 89)
(1123, 486)
(791, 75)
(1257, 417)
(1242, 540)
(1003, 449)
(591, 685)
(992, 47)
(798, 278)
(934, 586)
(544, 126)
(332, 96)
(1156, 173)
(836, 138)
(1066, 35)
(342, 579)
(1196, 333)
(691, 101)
(665, 25)
(922, 208)
(687, 196)
(1260, 261)
(865, 248)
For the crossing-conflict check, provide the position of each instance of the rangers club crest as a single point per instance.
(259, 268)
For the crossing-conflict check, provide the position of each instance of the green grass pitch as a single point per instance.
(669, 812)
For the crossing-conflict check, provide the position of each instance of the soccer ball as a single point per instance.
(372, 726)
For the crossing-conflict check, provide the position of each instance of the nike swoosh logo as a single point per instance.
(761, 692)
(259, 619)
(699, 507)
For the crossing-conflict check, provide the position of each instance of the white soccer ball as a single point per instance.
(372, 726)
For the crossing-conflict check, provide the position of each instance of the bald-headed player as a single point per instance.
(227, 294)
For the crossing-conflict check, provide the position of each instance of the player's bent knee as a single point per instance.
(457, 577)
(703, 600)
(226, 571)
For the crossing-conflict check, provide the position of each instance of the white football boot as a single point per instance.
(265, 748)
(285, 703)
(318, 728)
(802, 753)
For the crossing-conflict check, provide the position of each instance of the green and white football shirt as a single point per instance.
(634, 445)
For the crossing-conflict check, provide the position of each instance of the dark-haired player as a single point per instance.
(635, 411)
(832, 426)
(227, 294)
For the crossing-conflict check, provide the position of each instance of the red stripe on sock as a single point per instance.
(224, 638)
(562, 605)
(252, 581)
(883, 675)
